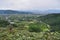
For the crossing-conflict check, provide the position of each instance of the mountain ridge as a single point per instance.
(29, 12)
(14, 12)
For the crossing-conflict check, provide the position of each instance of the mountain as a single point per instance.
(52, 11)
(29, 12)
(45, 11)
(13, 12)
(49, 11)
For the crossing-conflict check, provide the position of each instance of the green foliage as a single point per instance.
(53, 20)
(3, 23)
(17, 34)
(34, 28)
(30, 27)
(38, 27)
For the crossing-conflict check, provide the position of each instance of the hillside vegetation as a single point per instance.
(53, 20)
(29, 27)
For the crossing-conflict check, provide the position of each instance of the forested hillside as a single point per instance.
(53, 20)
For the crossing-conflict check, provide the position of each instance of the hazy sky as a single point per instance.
(29, 4)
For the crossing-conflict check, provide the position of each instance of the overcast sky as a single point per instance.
(29, 4)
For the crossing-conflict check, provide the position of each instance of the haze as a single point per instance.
(29, 4)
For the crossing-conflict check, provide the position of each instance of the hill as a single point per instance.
(13, 12)
(52, 19)
(50, 11)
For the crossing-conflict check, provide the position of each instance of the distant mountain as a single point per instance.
(29, 12)
(13, 12)
(51, 11)
(45, 11)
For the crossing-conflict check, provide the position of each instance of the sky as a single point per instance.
(29, 4)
